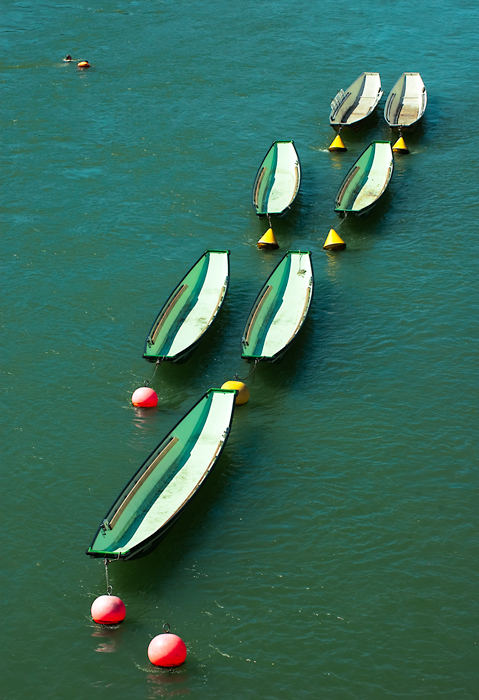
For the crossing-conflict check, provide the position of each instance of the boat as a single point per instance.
(280, 308)
(406, 102)
(366, 181)
(277, 180)
(190, 309)
(161, 489)
(352, 106)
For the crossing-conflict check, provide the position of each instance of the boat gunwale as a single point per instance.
(140, 481)
(259, 176)
(144, 544)
(158, 322)
(259, 297)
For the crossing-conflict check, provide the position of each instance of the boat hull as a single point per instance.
(190, 309)
(406, 103)
(160, 491)
(280, 309)
(351, 107)
(366, 181)
(277, 181)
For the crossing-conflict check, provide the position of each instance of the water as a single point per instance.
(333, 552)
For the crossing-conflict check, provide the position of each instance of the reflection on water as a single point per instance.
(167, 682)
(333, 264)
(336, 161)
(145, 418)
(112, 636)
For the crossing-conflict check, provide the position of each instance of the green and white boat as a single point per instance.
(352, 106)
(190, 309)
(280, 308)
(166, 482)
(277, 180)
(366, 181)
(406, 102)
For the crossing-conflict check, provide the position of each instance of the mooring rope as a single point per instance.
(109, 588)
(238, 379)
(157, 364)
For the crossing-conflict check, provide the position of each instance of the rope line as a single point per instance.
(109, 588)
(157, 364)
(238, 379)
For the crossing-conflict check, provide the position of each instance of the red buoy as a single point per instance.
(144, 397)
(167, 650)
(108, 610)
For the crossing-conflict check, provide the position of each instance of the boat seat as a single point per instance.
(361, 110)
(409, 111)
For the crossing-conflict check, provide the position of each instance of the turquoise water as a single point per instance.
(333, 553)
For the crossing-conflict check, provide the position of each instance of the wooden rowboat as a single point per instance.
(352, 106)
(280, 308)
(366, 181)
(277, 180)
(190, 309)
(406, 102)
(166, 482)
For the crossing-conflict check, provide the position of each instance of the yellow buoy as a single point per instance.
(333, 241)
(268, 241)
(400, 146)
(243, 394)
(338, 144)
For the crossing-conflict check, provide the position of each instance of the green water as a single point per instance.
(333, 553)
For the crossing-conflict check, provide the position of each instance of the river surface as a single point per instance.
(333, 552)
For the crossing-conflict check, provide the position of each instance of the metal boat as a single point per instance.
(352, 106)
(278, 180)
(406, 102)
(159, 492)
(190, 309)
(366, 181)
(280, 308)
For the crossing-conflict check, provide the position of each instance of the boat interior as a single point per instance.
(407, 101)
(190, 308)
(367, 179)
(280, 309)
(359, 100)
(277, 182)
(167, 479)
